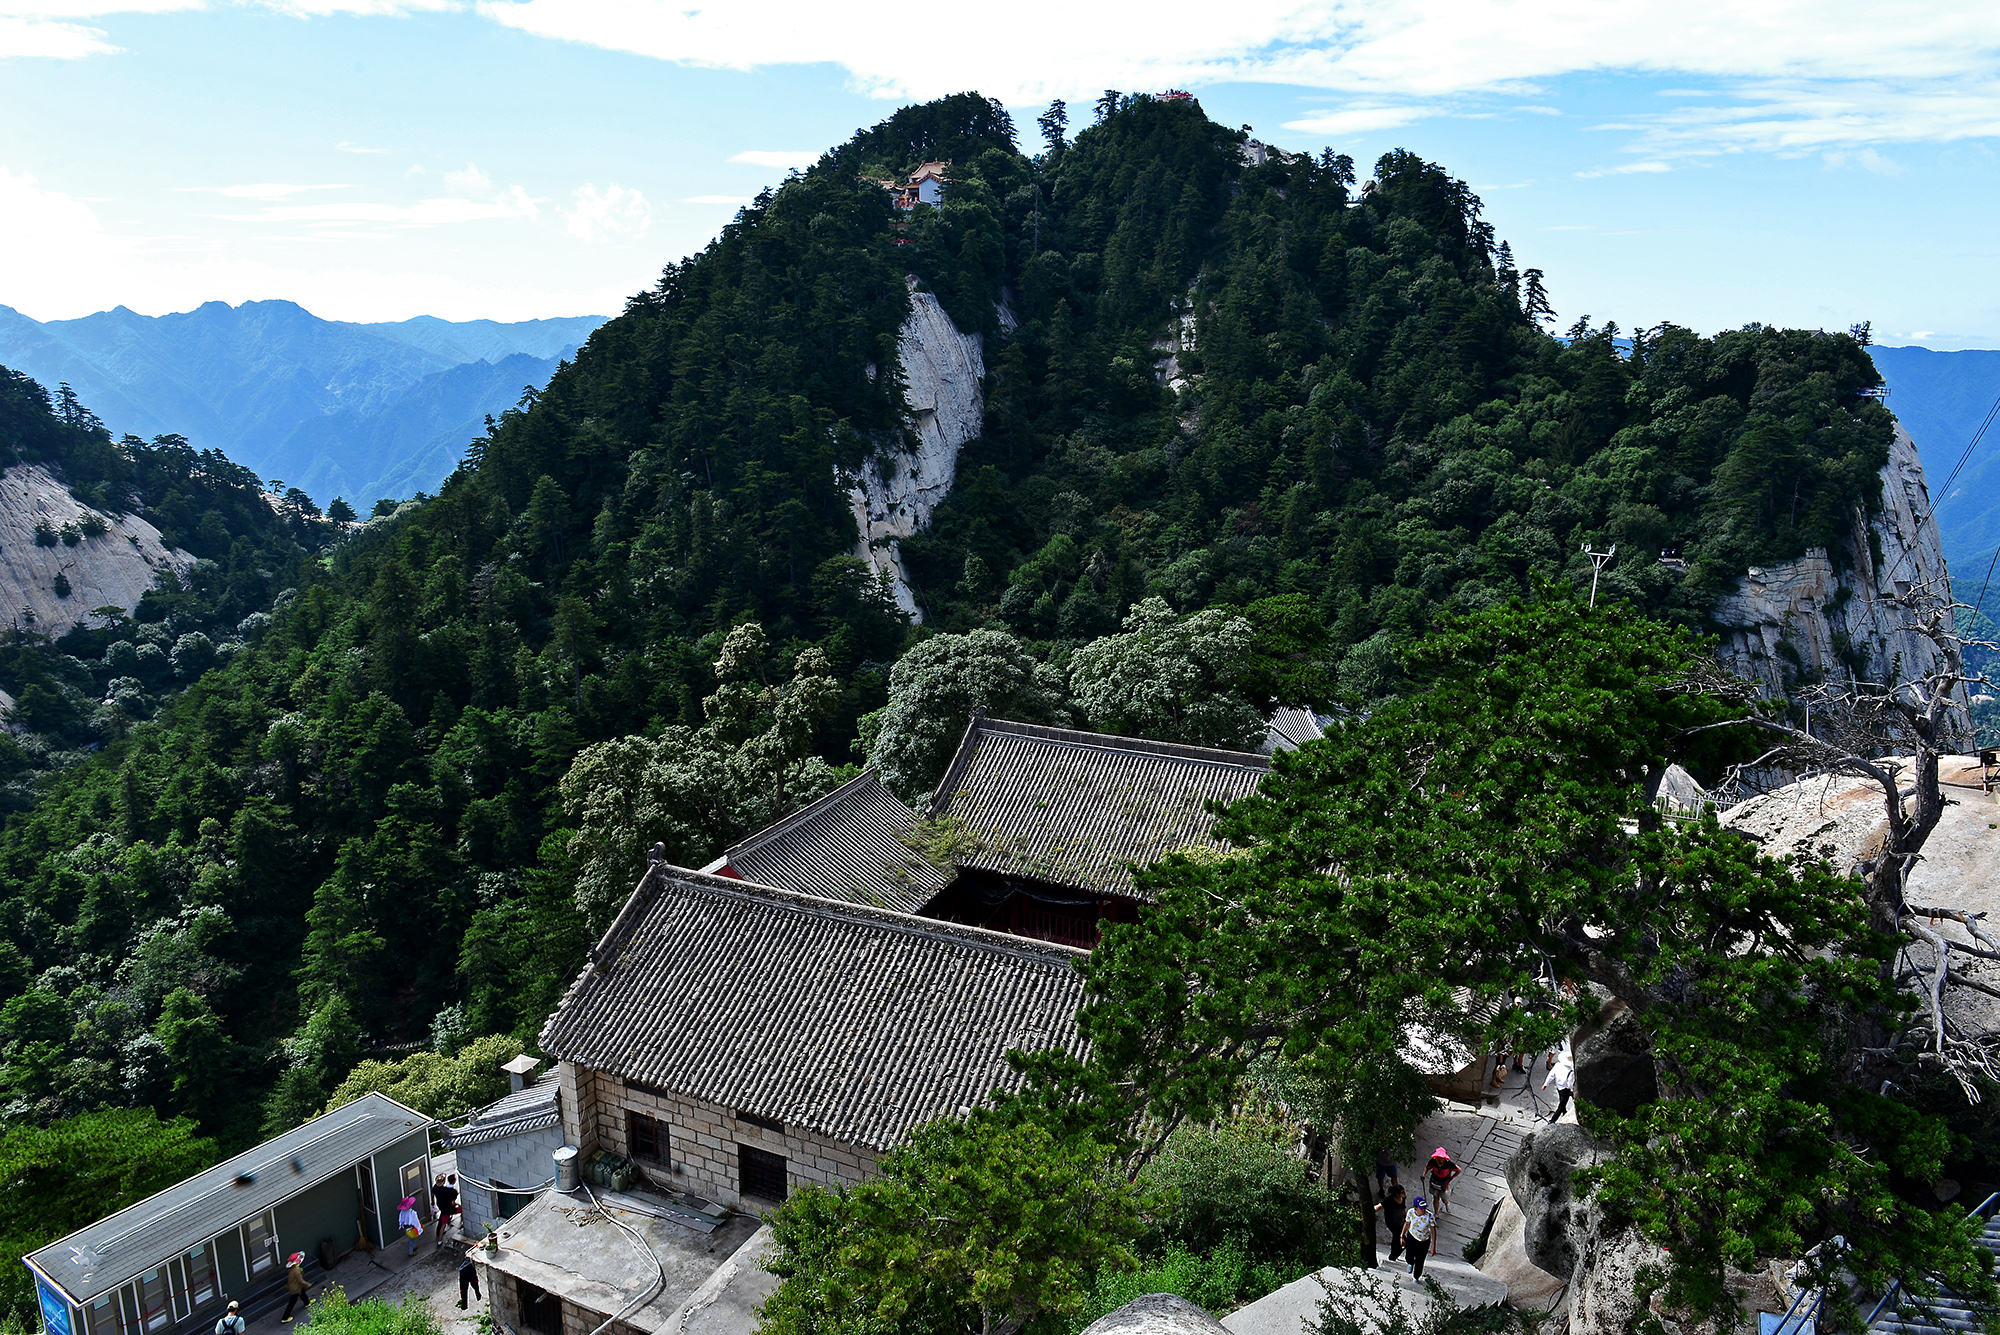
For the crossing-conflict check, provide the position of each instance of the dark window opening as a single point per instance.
(541, 1311)
(646, 1137)
(761, 1174)
(768, 1123)
(506, 1204)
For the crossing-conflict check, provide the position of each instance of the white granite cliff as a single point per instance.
(113, 568)
(1789, 620)
(897, 491)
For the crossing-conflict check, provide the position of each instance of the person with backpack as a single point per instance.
(1418, 1227)
(1438, 1174)
(232, 1322)
(295, 1285)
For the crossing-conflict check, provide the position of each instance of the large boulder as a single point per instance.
(1156, 1314)
(1541, 1176)
(1614, 1063)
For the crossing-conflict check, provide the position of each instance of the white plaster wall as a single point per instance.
(942, 369)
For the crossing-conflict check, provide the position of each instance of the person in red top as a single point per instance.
(1439, 1174)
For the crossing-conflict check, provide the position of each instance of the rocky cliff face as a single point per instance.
(1808, 619)
(111, 568)
(898, 490)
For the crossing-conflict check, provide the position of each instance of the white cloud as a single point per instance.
(1831, 72)
(717, 199)
(511, 203)
(469, 181)
(758, 157)
(345, 147)
(1359, 120)
(266, 193)
(610, 214)
(50, 41)
(1541, 111)
(1625, 169)
(1867, 159)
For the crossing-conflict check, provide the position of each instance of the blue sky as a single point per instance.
(1711, 164)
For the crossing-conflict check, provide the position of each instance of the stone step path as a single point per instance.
(1481, 1139)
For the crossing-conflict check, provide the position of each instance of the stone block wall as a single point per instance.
(703, 1140)
(578, 1096)
(520, 1160)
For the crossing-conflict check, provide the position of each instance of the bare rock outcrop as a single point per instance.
(114, 566)
(1156, 1314)
(1806, 618)
(897, 490)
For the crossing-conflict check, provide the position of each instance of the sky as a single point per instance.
(1711, 164)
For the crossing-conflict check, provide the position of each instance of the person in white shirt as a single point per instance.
(1562, 1074)
(1418, 1225)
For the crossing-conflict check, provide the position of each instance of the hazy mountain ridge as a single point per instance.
(1942, 397)
(330, 406)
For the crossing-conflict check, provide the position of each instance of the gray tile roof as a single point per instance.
(843, 846)
(97, 1259)
(1078, 808)
(528, 1109)
(853, 1022)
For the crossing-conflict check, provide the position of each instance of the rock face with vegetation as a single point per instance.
(62, 560)
(1831, 614)
(1242, 414)
(900, 486)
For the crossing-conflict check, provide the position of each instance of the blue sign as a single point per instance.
(55, 1309)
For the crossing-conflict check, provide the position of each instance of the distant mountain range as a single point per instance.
(362, 411)
(1942, 398)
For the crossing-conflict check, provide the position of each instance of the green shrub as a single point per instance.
(1243, 1181)
(1220, 1281)
(333, 1314)
(435, 1085)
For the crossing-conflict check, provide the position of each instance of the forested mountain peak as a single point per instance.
(1248, 428)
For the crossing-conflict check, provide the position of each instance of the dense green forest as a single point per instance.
(353, 832)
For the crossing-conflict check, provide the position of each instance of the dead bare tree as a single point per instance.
(1893, 734)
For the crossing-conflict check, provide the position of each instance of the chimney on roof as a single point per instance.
(521, 1072)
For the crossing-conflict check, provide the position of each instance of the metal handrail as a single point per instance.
(1984, 1211)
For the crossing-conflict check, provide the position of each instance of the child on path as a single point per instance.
(232, 1322)
(295, 1285)
(1417, 1230)
(406, 1219)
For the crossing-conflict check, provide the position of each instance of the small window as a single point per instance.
(646, 1137)
(760, 1173)
(768, 1123)
(260, 1244)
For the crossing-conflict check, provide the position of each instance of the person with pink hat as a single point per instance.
(295, 1284)
(407, 1220)
(1438, 1173)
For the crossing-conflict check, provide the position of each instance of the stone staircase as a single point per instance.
(1945, 1314)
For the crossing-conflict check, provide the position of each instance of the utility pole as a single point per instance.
(1598, 560)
